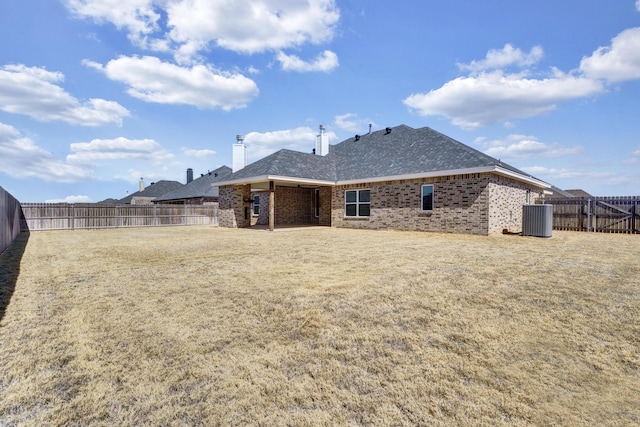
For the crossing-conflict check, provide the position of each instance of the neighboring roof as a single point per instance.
(109, 201)
(198, 188)
(401, 152)
(558, 192)
(578, 193)
(154, 190)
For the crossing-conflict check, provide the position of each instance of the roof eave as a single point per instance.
(432, 174)
(277, 178)
(525, 178)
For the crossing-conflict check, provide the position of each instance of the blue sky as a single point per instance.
(95, 94)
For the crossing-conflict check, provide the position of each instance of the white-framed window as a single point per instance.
(426, 199)
(357, 203)
(256, 205)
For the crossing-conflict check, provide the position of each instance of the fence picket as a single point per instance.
(82, 216)
(597, 214)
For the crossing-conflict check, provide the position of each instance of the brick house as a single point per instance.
(199, 191)
(397, 178)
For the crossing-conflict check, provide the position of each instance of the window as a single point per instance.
(316, 202)
(357, 202)
(256, 205)
(427, 197)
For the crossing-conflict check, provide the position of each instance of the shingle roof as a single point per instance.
(153, 190)
(292, 164)
(578, 193)
(397, 151)
(199, 187)
(403, 150)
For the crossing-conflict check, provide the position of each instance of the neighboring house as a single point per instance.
(155, 189)
(109, 201)
(198, 191)
(398, 178)
(579, 193)
(558, 192)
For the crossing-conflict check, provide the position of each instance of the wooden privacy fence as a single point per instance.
(10, 216)
(82, 216)
(597, 214)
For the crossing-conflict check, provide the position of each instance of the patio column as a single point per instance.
(272, 205)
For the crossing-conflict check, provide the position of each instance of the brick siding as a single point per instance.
(234, 206)
(468, 204)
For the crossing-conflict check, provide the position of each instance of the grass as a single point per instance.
(207, 326)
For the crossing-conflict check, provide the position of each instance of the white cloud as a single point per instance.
(251, 27)
(71, 199)
(518, 147)
(190, 152)
(350, 122)
(635, 156)
(35, 92)
(507, 56)
(471, 102)
(137, 17)
(638, 5)
(618, 62)
(325, 62)
(302, 139)
(152, 80)
(195, 25)
(23, 158)
(117, 149)
(550, 174)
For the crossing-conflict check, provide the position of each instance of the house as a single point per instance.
(558, 192)
(198, 191)
(579, 193)
(146, 195)
(397, 178)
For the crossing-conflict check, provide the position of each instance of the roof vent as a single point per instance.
(370, 125)
(357, 137)
(387, 131)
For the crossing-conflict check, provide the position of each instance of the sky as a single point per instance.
(97, 94)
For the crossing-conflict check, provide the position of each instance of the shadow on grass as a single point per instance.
(10, 270)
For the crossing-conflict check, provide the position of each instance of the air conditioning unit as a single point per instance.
(537, 220)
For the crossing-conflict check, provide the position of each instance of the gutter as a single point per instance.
(483, 169)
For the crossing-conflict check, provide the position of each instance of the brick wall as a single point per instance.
(233, 209)
(325, 206)
(469, 204)
(507, 198)
(294, 205)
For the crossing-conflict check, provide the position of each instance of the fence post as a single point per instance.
(588, 214)
(73, 217)
(154, 216)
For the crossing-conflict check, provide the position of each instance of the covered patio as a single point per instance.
(272, 202)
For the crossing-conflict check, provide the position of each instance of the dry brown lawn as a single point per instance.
(208, 326)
